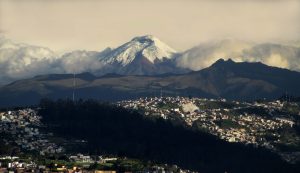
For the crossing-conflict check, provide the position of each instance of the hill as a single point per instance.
(225, 79)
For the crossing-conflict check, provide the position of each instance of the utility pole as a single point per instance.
(74, 85)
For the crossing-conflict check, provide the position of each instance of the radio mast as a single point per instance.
(74, 86)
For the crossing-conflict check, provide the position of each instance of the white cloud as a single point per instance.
(202, 56)
(206, 54)
(80, 61)
(277, 61)
(18, 61)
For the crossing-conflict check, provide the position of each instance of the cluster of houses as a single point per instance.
(249, 128)
(81, 158)
(21, 128)
(79, 164)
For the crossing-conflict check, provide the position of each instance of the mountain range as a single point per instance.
(145, 66)
(143, 55)
(223, 79)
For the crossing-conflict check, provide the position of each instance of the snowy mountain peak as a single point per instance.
(147, 46)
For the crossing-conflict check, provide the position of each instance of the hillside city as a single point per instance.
(32, 149)
(268, 124)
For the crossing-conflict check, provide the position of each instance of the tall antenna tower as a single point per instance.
(74, 86)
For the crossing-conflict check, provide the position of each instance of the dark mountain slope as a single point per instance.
(226, 79)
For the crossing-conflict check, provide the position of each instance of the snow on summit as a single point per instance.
(148, 46)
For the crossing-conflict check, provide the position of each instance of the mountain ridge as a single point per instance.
(223, 79)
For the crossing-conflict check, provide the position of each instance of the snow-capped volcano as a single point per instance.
(148, 47)
(143, 55)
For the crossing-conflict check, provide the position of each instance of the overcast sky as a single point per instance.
(64, 25)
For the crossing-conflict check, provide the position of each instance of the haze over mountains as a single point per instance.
(144, 55)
